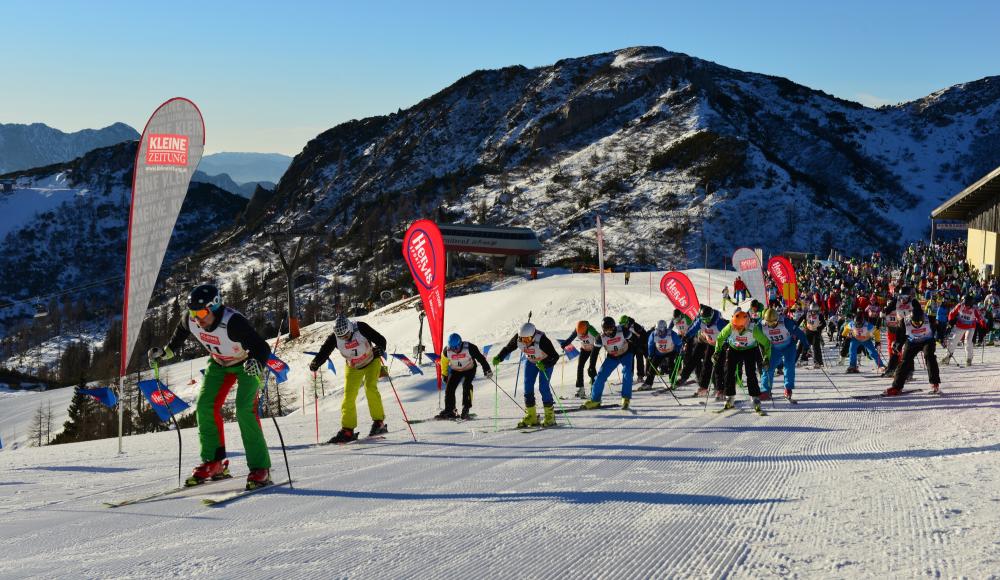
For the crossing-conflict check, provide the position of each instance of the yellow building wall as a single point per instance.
(984, 247)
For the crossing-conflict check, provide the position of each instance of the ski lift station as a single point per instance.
(509, 243)
(977, 208)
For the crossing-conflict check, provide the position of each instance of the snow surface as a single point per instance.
(833, 487)
(18, 408)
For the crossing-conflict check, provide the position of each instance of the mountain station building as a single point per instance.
(978, 206)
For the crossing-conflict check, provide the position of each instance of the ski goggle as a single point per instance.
(527, 339)
(200, 314)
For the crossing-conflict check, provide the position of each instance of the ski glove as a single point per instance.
(253, 368)
(314, 366)
(157, 354)
(496, 360)
(488, 373)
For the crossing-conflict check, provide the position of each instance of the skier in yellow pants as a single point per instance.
(361, 347)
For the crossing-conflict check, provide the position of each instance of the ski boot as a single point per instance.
(882, 371)
(889, 373)
(719, 395)
(625, 403)
(214, 470)
(968, 362)
(701, 392)
(590, 405)
(756, 405)
(892, 392)
(817, 366)
(936, 389)
(258, 478)
(530, 418)
(765, 395)
(788, 395)
(729, 404)
(466, 415)
(581, 393)
(344, 436)
(446, 415)
(378, 428)
(780, 371)
(852, 370)
(645, 387)
(549, 419)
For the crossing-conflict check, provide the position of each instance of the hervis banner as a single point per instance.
(681, 293)
(423, 249)
(783, 272)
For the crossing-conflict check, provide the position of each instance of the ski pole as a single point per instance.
(316, 406)
(405, 418)
(677, 368)
(496, 404)
(281, 438)
(501, 389)
(556, 398)
(831, 381)
(670, 389)
(517, 376)
(156, 375)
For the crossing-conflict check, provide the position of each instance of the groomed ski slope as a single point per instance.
(832, 487)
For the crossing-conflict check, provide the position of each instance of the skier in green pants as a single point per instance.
(238, 356)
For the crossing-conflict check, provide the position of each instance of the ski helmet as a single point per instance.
(755, 305)
(770, 316)
(608, 325)
(454, 341)
(624, 320)
(527, 333)
(969, 300)
(706, 313)
(342, 326)
(917, 319)
(204, 299)
(582, 327)
(661, 328)
(677, 313)
(859, 317)
(774, 302)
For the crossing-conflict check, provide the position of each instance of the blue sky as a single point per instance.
(269, 76)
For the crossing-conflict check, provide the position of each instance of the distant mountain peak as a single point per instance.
(26, 146)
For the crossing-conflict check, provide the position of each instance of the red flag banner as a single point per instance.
(747, 265)
(423, 249)
(783, 272)
(680, 291)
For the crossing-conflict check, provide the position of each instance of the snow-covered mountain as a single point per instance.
(37, 144)
(225, 182)
(246, 167)
(672, 151)
(63, 228)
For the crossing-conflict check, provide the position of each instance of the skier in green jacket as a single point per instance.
(747, 348)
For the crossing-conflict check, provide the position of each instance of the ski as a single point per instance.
(226, 498)
(472, 417)
(760, 411)
(358, 440)
(577, 410)
(159, 494)
(883, 395)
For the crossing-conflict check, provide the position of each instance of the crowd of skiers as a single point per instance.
(931, 297)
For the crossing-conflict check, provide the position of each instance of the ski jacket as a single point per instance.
(681, 325)
(619, 343)
(919, 334)
(784, 334)
(540, 349)
(896, 314)
(229, 341)
(814, 320)
(966, 317)
(359, 348)
(862, 333)
(463, 359)
(660, 345)
(588, 342)
(707, 333)
(749, 338)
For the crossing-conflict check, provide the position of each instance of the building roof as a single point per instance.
(490, 240)
(963, 205)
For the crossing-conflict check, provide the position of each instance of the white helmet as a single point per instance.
(661, 328)
(527, 330)
(342, 326)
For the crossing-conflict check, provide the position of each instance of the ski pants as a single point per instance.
(454, 378)
(747, 359)
(215, 386)
(869, 347)
(352, 385)
(956, 333)
(781, 356)
(910, 352)
(692, 361)
(662, 364)
(896, 340)
(739, 296)
(607, 367)
(581, 361)
(531, 374)
(815, 340)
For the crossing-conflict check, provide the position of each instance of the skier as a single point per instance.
(638, 344)
(542, 357)
(458, 365)
(663, 348)
(628, 274)
(739, 290)
(746, 347)
(238, 356)
(963, 320)
(756, 311)
(617, 342)
(814, 321)
(862, 334)
(590, 345)
(897, 312)
(362, 348)
(725, 297)
(919, 339)
(782, 334)
(701, 337)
